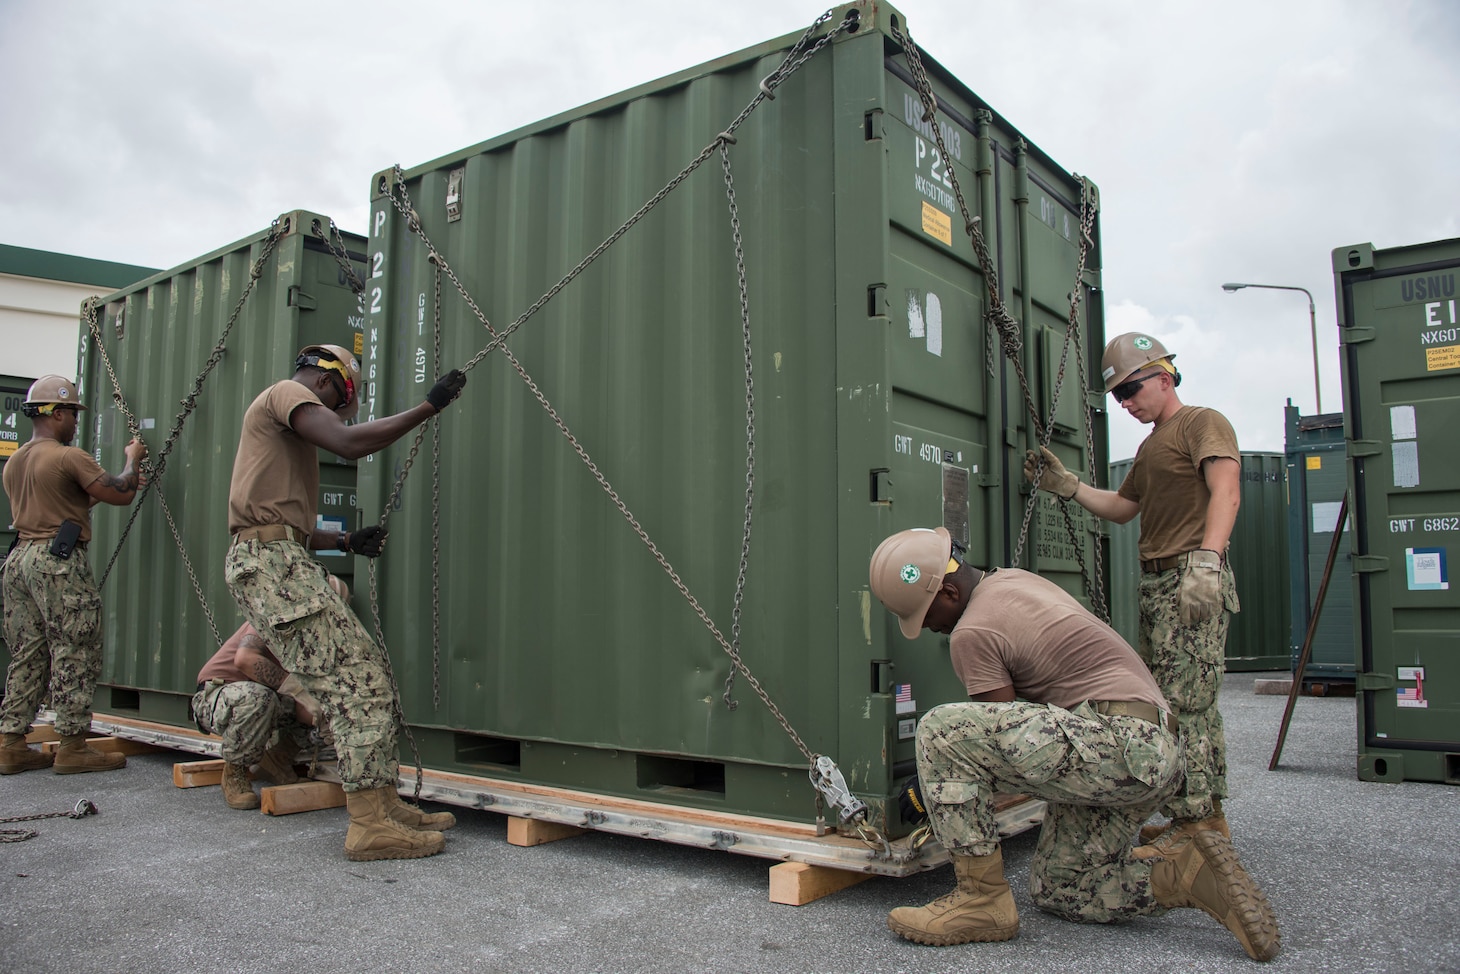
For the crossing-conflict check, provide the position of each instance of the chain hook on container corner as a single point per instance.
(827, 779)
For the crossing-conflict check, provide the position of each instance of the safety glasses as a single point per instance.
(1130, 387)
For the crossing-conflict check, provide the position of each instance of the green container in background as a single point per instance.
(1399, 332)
(14, 430)
(1257, 638)
(566, 655)
(158, 334)
(1317, 479)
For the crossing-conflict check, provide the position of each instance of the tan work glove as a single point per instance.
(306, 707)
(1054, 478)
(1200, 596)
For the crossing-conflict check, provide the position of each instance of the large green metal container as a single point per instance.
(1399, 325)
(1257, 638)
(1317, 479)
(158, 335)
(567, 656)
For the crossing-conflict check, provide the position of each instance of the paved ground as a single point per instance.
(1364, 877)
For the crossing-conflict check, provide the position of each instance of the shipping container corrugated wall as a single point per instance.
(1399, 328)
(158, 335)
(1257, 638)
(1317, 479)
(567, 656)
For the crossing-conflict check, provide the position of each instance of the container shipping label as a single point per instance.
(1440, 330)
(1411, 697)
(1426, 569)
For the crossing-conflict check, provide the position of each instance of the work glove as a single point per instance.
(910, 802)
(367, 541)
(307, 708)
(1054, 478)
(1200, 596)
(447, 388)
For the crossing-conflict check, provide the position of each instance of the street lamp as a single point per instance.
(1312, 322)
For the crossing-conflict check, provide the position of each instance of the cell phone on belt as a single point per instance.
(65, 540)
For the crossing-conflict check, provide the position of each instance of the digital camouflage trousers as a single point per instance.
(250, 717)
(1188, 663)
(1101, 776)
(282, 592)
(53, 629)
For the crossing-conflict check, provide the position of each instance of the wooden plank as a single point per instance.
(531, 831)
(110, 745)
(796, 883)
(302, 796)
(41, 733)
(197, 774)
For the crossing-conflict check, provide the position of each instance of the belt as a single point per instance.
(272, 532)
(1155, 565)
(1145, 711)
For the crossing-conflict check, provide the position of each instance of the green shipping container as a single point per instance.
(1258, 636)
(157, 336)
(566, 655)
(1399, 329)
(1317, 479)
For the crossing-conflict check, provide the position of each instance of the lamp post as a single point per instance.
(1312, 323)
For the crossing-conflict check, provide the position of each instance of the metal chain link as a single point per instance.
(997, 318)
(341, 254)
(400, 199)
(734, 651)
(83, 808)
(436, 514)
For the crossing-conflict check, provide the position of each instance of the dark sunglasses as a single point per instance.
(1130, 387)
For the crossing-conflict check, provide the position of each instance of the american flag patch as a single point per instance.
(902, 693)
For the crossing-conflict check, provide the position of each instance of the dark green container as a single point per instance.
(158, 335)
(1258, 635)
(1317, 479)
(567, 656)
(1399, 330)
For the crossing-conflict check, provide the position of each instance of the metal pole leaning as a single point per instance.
(1312, 628)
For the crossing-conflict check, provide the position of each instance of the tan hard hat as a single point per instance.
(53, 390)
(1127, 354)
(907, 571)
(336, 359)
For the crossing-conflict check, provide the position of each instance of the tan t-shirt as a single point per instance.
(276, 471)
(1022, 630)
(46, 482)
(1166, 479)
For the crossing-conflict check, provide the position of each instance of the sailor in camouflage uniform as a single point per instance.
(52, 607)
(1185, 484)
(1061, 709)
(283, 591)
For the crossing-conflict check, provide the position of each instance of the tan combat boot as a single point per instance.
(75, 756)
(1155, 837)
(374, 834)
(237, 791)
(407, 814)
(980, 909)
(17, 756)
(1202, 871)
(277, 763)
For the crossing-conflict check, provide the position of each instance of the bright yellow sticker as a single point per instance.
(359, 342)
(936, 223)
(7, 448)
(1445, 357)
(1315, 463)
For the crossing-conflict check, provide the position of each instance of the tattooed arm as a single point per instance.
(255, 660)
(121, 489)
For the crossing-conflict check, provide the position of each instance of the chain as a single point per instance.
(83, 808)
(436, 517)
(341, 254)
(189, 402)
(400, 199)
(188, 564)
(998, 319)
(734, 650)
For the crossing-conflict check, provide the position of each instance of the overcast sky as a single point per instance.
(1240, 141)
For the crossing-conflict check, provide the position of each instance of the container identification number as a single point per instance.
(1406, 525)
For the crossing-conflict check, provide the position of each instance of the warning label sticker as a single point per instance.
(1444, 357)
(938, 224)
